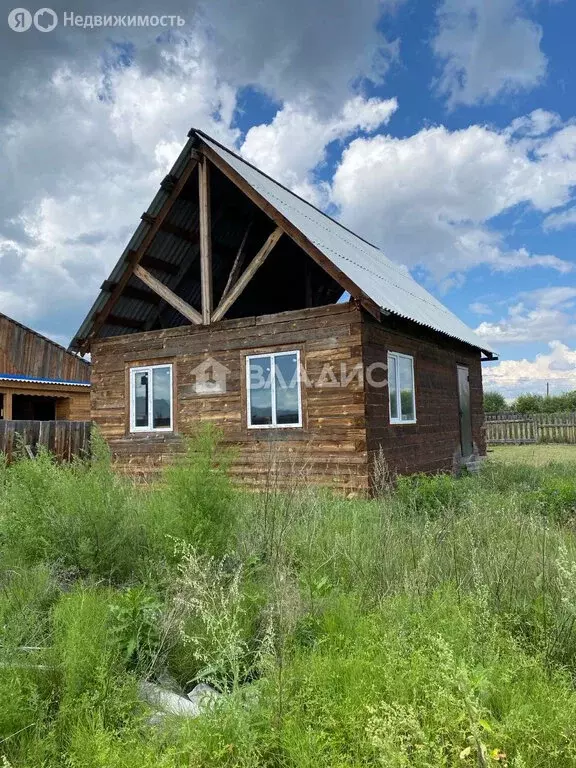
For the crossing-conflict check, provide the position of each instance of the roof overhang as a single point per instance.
(17, 378)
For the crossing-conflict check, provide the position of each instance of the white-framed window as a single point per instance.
(401, 390)
(151, 407)
(273, 390)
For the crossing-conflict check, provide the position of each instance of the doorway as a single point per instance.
(33, 408)
(465, 411)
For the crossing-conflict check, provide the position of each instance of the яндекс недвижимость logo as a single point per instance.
(21, 20)
(46, 19)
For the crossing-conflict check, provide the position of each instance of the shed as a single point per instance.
(39, 379)
(239, 303)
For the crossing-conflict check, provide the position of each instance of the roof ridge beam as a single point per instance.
(205, 215)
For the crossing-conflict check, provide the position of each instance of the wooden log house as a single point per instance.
(39, 379)
(228, 307)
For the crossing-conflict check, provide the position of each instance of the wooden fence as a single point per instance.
(65, 439)
(509, 427)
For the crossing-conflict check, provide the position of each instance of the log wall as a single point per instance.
(344, 428)
(432, 444)
(330, 449)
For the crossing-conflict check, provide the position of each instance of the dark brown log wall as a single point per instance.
(433, 443)
(343, 427)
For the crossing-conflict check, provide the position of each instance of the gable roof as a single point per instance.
(387, 285)
(27, 355)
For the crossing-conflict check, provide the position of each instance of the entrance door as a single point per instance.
(465, 412)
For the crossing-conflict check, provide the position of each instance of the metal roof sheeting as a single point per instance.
(34, 380)
(388, 284)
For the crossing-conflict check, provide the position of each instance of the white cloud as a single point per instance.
(81, 169)
(539, 315)
(90, 120)
(537, 123)
(288, 49)
(295, 142)
(514, 377)
(487, 47)
(301, 49)
(479, 308)
(561, 220)
(552, 296)
(428, 199)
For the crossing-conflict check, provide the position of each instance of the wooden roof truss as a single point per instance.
(140, 261)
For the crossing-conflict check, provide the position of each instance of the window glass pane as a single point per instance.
(161, 397)
(287, 389)
(393, 393)
(406, 382)
(141, 399)
(260, 391)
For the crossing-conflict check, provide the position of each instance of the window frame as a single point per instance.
(273, 356)
(398, 419)
(132, 373)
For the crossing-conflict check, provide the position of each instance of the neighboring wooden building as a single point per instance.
(227, 307)
(39, 379)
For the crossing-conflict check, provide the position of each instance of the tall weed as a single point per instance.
(80, 516)
(195, 501)
(434, 625)
(423, 684)
(212, 617)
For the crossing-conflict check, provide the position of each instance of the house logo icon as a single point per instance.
(210, 377)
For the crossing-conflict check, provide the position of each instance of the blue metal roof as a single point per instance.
(35, 380)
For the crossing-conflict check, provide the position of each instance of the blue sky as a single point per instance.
(445, 132)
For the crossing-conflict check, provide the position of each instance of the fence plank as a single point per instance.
(65, 439)
(510, 427)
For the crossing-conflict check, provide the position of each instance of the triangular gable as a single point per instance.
(355, 265)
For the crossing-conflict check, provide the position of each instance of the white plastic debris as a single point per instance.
(167, 701)
(204, 696)
(200, 699)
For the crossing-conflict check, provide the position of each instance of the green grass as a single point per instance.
(537, 455)
(433, 626)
